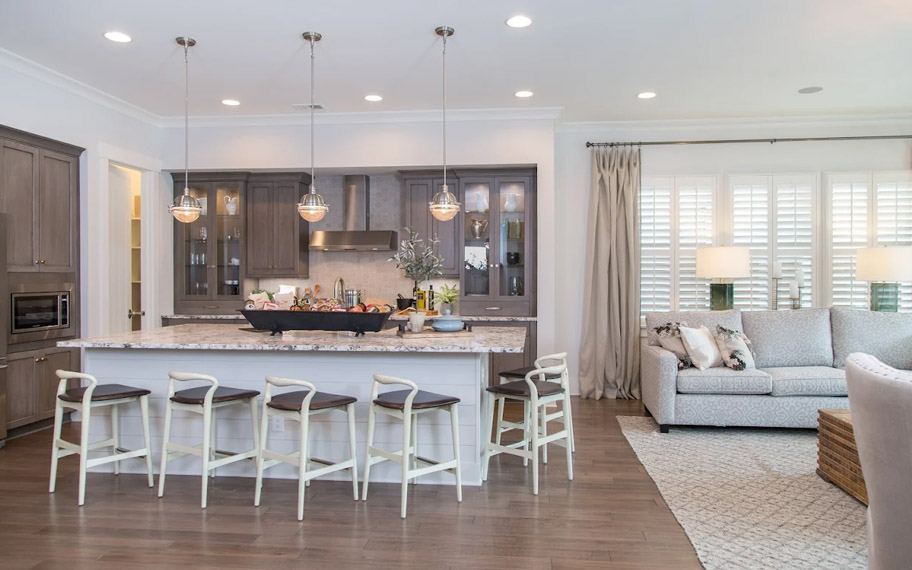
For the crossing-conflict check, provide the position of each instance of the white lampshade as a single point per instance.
(723, 262)
(884, 264)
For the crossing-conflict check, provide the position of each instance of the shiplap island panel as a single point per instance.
(336, 362)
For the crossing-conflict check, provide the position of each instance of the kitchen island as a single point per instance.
(335, 362)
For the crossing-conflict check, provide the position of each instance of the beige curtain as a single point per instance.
(610, 348)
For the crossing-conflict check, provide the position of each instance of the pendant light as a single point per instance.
(312, 207)
(185, 207)
(444, 206)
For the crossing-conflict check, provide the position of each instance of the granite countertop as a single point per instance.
(234, 337)
(466, 318)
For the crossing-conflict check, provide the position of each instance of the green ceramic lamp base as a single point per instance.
(721, 296)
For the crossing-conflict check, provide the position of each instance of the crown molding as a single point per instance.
(887, 122)
(371, 118)
(47, 75)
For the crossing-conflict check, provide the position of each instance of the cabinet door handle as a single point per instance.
(492, 308)
(131, 313)
(210, 306)
(41, 359)
(211, 266)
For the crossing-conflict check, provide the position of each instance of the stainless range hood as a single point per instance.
(357, 235)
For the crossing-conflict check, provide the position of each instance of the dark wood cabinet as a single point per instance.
(39, 179)
(277, 236)
(419, 191)
(210, 253)
(32, 383)
(497, 237)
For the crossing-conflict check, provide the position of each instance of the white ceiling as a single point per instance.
(704, 58)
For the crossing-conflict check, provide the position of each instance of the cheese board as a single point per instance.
(428, 333)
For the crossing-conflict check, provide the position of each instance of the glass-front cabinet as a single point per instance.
(209, 265)
(498, 238)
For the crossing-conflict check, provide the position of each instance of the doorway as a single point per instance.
(125, 243)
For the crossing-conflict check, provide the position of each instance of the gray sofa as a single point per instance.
(800, 357)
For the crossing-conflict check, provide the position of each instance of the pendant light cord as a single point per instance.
(186, 116)
(312, 170)
(444, 113)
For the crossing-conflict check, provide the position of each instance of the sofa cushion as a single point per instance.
(886, 336)
(696, 319)
(790, 338)
(808, 381)
(724, 381)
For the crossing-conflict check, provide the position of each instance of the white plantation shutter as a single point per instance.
(656, 252)
(774, 217)
(793, 236)
(751, 218)
(849, 208)
(893, 219)
(695, 205)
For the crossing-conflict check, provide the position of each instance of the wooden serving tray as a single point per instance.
(428, 332)
(427, 314)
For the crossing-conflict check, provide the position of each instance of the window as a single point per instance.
(773, 216)
(866, 210)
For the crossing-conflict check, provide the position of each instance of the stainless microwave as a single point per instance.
(39, 311)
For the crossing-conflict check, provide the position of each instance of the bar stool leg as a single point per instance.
(489, 421)
(568, 443)
(213, 438)
(406, 458)
(534, 409)
(162, 471)
(526, 431)
(500, 416)
(115, 434)
(264, 437)
(302, 462)
(371, 420)
(568, 421)
(207, 435)
(544, 431)
(254, 417)
(55, 449)
(84, 451)
(413, 464)
(454, 422)
(352, 444)
(144, 413)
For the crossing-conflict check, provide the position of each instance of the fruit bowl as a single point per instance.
(280, 321)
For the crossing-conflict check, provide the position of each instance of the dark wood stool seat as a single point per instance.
(520, 388)
(521, 373)
(395, 400)
(292, 401)
(222, 394)
(104, 392)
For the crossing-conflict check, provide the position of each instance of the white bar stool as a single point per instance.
(205, 401)
(563, 413)
(300, 406)
(84, 400)
(535, 392)
(407, 405)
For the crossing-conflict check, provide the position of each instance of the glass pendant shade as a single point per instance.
(185, 208)
(444, 206)
(312, 207)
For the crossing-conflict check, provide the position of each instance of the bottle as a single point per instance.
(419, 300)
(415, 296)
(430, 298)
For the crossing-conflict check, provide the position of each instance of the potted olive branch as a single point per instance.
(419, 263)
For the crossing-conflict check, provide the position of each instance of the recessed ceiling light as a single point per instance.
(523, 94)
(646, 95)
(373, 98)
(118, 37)
(809, 90)
(519, 21)
(231, 102)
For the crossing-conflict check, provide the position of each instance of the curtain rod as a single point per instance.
(735, 141)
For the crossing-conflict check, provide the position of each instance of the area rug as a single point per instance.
(750, 499)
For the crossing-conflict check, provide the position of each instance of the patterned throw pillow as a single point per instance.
(735, 347)
(701, 347)
(669, 336)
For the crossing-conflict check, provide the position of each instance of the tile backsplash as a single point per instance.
(368, 271)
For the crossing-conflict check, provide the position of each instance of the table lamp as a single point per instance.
(722, 264)
(884, 267)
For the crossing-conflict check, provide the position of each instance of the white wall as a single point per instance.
(42, 102)
(473, 139)
(573, 173)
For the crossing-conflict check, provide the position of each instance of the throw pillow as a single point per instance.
(735, 348)
(701, 347)
(669, 336)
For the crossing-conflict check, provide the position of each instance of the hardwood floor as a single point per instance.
(610, 516)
